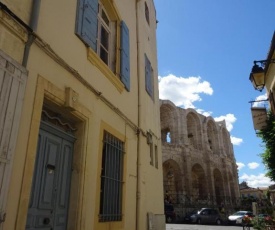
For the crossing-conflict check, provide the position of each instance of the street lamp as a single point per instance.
(257, 75)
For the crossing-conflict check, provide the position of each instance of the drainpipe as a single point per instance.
(33, 26)
(138, 195)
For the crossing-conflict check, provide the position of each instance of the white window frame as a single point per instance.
(102, 24)
(111, 30)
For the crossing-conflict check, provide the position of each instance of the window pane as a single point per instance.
(105, 18)
(104, 38)
(104, 55)
(149, 78)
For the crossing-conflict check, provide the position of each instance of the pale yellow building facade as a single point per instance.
(80, 144)
(269, 71)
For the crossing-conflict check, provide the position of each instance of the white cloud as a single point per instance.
(236, 140)
(183, 92)
(255, 181)
(261, 101)
(240, 165)
(253, 165)
(229, 120)
(204, 113)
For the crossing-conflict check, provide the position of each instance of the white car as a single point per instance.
(239, 220)
(237, 217)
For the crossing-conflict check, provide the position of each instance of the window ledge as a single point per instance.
(95, 60)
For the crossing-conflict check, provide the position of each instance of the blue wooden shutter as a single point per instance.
(125, 56)
(86, 24)
(148, 76)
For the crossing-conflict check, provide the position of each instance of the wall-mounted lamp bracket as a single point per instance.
(257, 75)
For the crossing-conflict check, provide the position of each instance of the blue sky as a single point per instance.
(206, 50)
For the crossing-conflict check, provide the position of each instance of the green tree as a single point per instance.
(268, 137)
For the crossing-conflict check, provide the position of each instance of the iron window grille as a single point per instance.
(149, 77)
(111, 179)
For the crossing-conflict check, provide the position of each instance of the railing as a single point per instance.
(185, 204)
(187, 200)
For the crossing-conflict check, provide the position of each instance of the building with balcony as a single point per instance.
(80, 144)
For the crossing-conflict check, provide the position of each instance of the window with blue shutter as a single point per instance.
(149, 77)
(124, 56)
(96, 26)
(86, 24)
(147, 15)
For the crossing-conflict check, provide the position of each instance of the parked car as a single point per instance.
(187, 217)
(170, 214)
(237, 217)
(263, 216)
(207, 216)
(247, 217)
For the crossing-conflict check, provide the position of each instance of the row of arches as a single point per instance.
(196, 184)
(187, 127)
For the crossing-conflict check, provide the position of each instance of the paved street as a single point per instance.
(201, 227)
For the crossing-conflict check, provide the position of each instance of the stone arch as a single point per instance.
(194, 130)
(167, 121)
(199, 187)
(212, 136)
(225, 138)
(218, 185)
(172, 180)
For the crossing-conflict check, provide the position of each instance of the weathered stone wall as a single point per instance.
(198, 158)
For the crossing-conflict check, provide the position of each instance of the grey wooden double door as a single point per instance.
(49, 201)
